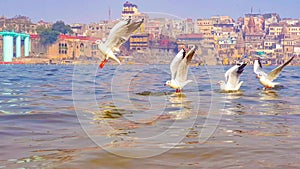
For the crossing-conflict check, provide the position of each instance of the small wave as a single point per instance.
(149, 93)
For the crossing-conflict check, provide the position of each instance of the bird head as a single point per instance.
(168, 83)
(258, 76)
(220, 83)
(173, 84)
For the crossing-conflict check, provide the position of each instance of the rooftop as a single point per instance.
(129, 4)
(191, 36)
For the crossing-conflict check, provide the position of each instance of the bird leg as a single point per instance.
(103, 63)
(178, 91)
(267, 87)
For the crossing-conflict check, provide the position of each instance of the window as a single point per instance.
(62, 48)
(81, 47)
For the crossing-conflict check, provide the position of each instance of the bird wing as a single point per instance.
(182, 71)
(117, 35)
(233, 75)
(175, 63)
(115, 43)
(257, 68)
(227, 74)
(275, 72)
(121, 32)
(190, 55)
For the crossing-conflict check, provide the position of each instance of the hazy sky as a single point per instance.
(85, 11)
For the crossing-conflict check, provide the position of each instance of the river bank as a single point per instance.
(129, 60)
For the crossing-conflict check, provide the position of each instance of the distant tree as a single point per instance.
(9, 27)
(40, 29)
(60, 26)
(48, 36)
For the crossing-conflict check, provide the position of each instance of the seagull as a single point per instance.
(179, 69)
(232, 78)
(118, 35)
(267, 79)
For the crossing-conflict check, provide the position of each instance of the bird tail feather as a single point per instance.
(185, 83)
(239, 85)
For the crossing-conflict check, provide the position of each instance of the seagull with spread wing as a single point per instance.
(232, 77)
(179, 69)
(118, 35)
(267, 79)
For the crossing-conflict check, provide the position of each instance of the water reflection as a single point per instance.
(108, 111)
(180, 102)
(232, 103)
(234, 95)
(269, 95)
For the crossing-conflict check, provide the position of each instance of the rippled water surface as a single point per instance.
(61, 116)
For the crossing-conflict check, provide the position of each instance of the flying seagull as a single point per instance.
(179, 69)
(267, 79)
(232, 78)
(118, 35)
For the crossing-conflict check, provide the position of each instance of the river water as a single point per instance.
(66, 116)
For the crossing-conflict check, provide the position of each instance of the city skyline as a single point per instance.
(78, 12)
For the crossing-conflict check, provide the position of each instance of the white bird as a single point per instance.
(232, 78)
(267, 79)
(118, 35)
(179, 69)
